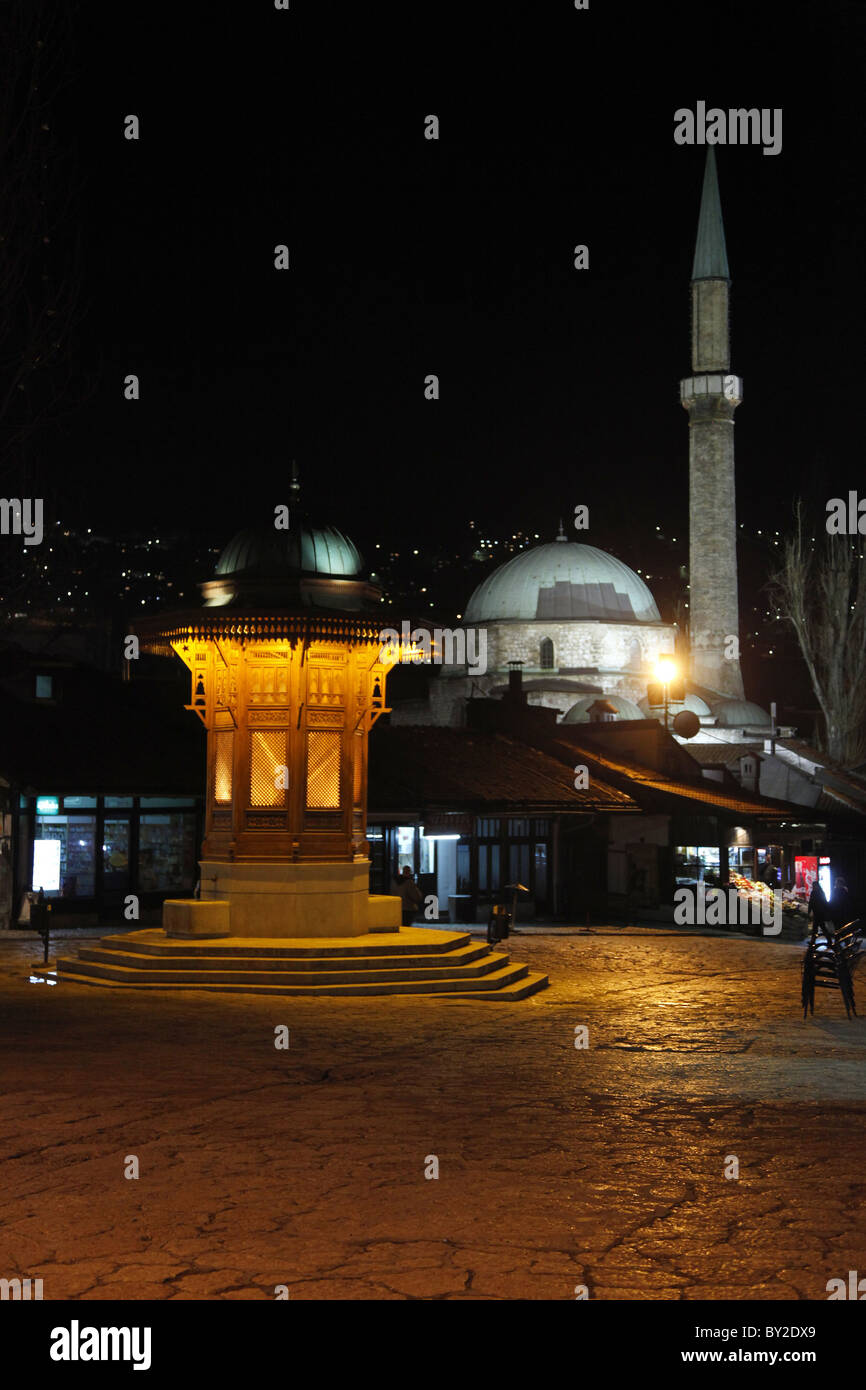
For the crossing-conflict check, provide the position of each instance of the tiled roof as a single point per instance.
(743, 803)
(416, 766)
(722, 754)
(831, 799)
(804, 750)
(833, 777)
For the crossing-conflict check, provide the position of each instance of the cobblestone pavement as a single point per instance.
(602, 1166)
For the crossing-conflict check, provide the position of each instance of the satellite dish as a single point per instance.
(686, 723)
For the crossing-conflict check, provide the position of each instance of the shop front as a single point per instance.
(467, 861)
(90, 852)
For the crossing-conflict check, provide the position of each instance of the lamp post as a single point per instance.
(668, 688)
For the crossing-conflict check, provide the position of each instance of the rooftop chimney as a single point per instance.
(602, 712)
(515, 683)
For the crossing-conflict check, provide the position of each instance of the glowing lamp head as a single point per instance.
(666, 669)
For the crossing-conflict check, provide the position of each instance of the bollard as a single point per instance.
(40, 920)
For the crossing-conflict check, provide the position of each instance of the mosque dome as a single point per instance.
(579, 713)
(562, 580)
(734, 714)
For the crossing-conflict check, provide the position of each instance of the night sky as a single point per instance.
(410, 256)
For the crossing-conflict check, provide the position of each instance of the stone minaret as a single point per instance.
(711, 395)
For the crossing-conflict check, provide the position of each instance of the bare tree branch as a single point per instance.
(820, 588)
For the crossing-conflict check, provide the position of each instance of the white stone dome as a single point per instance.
(579, 713)
(563, 580)
(733, 714)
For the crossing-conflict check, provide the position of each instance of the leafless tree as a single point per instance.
(820, 588)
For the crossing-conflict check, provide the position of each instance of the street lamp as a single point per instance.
(669, 687)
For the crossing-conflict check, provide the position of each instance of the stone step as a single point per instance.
(531, 983)
(124, 966)
(506, 981)
(181, 959)
(409, 941)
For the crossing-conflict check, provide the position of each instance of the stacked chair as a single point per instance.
(830, 962)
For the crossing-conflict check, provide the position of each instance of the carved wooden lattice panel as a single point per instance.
(269, 685)
(325, 685)
(323, 768)
(222, 778)
(267, 767)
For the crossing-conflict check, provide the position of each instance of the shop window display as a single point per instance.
(76, 836)
(166, 852)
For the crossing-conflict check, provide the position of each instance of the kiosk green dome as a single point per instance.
(307, 549)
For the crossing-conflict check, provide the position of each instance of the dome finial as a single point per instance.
(561, 536)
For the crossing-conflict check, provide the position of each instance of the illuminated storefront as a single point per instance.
(471, 859)
(92, 851)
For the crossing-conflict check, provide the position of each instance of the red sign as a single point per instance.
(806, 872)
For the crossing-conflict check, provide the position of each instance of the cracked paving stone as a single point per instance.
(558, 1166)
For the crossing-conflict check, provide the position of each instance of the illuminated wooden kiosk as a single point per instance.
(287, 674)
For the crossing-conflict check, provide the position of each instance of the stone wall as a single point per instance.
(614, 647)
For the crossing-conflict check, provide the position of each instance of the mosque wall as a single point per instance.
(626, 647)
(622, 657)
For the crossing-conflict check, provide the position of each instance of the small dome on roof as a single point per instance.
(624, 709)
(733, 714)
(692, 702)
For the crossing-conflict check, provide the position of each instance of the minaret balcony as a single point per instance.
(712, 384)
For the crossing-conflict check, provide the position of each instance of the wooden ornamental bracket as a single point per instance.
(377, 705)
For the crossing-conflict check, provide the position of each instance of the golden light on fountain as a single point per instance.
(287, 674)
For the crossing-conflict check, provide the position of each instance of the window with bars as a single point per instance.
(222, 776)
(324, 748)
(268, 767)
(546, 654)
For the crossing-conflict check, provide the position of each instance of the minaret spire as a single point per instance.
(711, 395)
(711, 257)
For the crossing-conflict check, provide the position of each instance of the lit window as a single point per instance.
(267, 767)
(44, 687)
(223, 745)
(323, 769)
